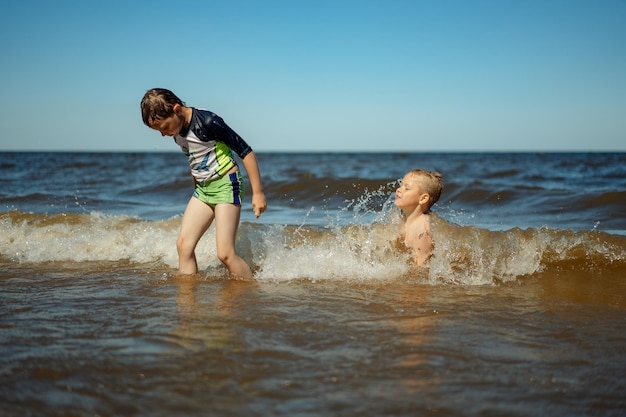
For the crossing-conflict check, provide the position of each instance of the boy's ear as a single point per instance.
(424, 198)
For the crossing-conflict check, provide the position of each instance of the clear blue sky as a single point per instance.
(319, 75)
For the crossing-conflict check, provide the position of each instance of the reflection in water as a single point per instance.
(412, 321)
(206, 310)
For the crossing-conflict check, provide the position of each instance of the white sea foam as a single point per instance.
(465, 255)
(93, 237)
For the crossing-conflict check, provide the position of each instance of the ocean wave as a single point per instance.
(471, 255)
(464, 255)
(307, 190)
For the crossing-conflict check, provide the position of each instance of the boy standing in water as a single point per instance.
(207, 141)
(415, 196)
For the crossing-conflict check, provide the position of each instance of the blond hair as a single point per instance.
(431, 182)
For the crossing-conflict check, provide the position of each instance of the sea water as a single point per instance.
(521, 310)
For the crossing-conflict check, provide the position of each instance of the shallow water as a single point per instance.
(521, 312)
(138, 342)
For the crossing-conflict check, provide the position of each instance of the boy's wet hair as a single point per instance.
(158, 103)
(432, 182)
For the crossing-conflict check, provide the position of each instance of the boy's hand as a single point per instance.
(259, 204)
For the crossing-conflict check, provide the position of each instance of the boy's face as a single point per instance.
(409, 194)
(171, 125)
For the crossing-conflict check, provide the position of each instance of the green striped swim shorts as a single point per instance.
(225, 190)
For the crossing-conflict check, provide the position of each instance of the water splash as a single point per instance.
(356, 250)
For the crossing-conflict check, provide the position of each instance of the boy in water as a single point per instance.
(415, 196)
(207, 141)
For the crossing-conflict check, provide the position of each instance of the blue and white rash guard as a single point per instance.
(208, 143)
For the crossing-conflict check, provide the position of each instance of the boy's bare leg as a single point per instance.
(196, 220)
(226, 225)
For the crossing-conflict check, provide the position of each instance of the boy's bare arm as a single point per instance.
(418, 237)
(423, 247)
(259, 203)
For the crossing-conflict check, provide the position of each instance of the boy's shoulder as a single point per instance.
(202, 122)
(200, 117)
(418, 225)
